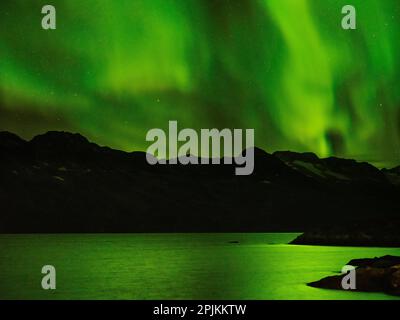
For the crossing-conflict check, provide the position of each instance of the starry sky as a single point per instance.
(115, 69)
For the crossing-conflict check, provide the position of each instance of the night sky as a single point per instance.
(114, 69)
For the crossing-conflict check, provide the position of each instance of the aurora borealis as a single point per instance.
(115, 69)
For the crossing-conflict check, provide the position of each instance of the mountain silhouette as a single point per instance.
(61, 182)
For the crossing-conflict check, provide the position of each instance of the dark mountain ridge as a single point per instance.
(61, 182)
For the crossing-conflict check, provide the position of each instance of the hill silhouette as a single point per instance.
(61, 182)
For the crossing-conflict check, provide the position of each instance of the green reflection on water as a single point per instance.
(174, 266)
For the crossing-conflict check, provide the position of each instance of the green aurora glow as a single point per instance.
(115, 69)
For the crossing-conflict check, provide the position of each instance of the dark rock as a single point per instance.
(290, 157)
(11, 141)
(372, 232)
(334, 170)
(62, 146)
(382, 262)
(393, 175)
(373, 275)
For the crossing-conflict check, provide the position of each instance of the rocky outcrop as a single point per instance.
(372, 275)
(378, 232)
(382, 262)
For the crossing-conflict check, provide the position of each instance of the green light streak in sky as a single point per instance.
(115, 69)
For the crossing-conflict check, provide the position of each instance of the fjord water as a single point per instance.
(173, 266)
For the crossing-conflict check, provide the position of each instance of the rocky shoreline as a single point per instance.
(371, 233)
(372, 275)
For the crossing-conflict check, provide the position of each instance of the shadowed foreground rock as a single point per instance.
(372, 275)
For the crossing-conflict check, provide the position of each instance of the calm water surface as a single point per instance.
(173, 266)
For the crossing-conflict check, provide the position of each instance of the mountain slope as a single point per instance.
(60, 182)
